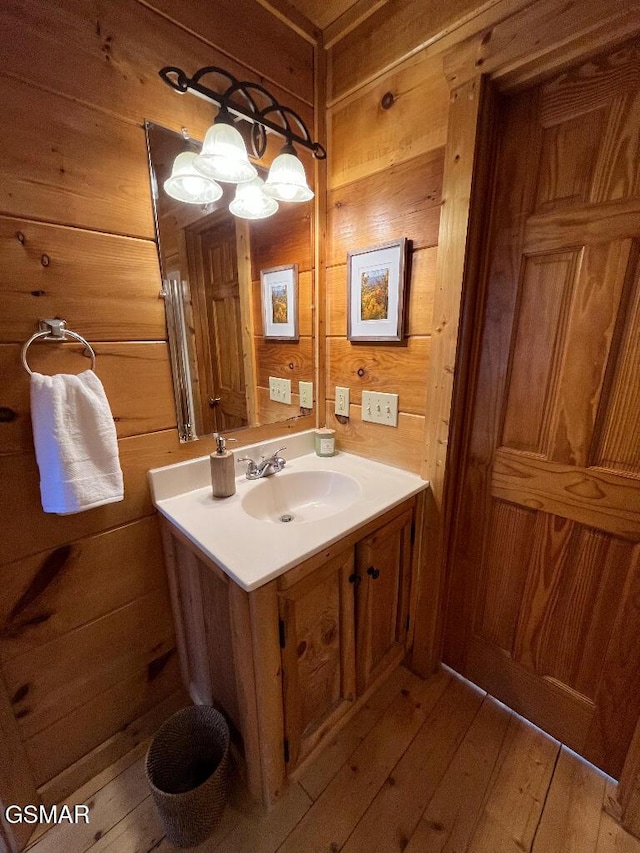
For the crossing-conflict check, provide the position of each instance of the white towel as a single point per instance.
(75, 440)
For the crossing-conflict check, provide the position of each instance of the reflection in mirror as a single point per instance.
(211, 263)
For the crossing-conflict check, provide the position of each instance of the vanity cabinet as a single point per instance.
(342, 626)
(290, 661)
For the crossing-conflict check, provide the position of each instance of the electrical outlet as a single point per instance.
(306, 394)
(380, 408)
(342, 401)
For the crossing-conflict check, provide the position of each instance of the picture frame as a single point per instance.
(279, 289)
(376, 292)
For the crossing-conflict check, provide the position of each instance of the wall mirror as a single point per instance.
(211, 263)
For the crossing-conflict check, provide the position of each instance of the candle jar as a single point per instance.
(325, 439)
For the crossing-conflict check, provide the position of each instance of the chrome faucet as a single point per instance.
(264, 467)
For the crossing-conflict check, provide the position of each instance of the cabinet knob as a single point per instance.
(355, 579)
(373, 572)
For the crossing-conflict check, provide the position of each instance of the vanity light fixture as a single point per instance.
(251, 202)
(224, 155)
(187, 184)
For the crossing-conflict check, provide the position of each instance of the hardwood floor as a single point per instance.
(431, 766)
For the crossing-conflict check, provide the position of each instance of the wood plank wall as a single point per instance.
(87, 647)
(385, 182)
(283, 239)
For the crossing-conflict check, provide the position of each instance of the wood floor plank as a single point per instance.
(316, 778)
(335, 814)
(453, 813)
(492, 783)
(612, 838)
(107, 808)
(517, 792)
(571, 818)
(395, 812)
(263, 831)
(97, 782)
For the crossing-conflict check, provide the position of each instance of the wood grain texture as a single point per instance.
(54, 592)
(136, 379)
(543, 377)
(332, 818)
(44, 692)
(402, 115)
(403, 201)
(286, 239)
(496, 775)
(571, 819)
(290, 66)
(591, 496)
(456, 252)
(455, 808)
(122, 48)
(107, 287)
(503, 53)
(399, 447)
(397, 808)
(118, 745)
(16, 776)
(66, 176)
(397, 30)
(393, 369)
(100, 718)
(285, 359)
(318, 659)
(382, 603)
(78, 81)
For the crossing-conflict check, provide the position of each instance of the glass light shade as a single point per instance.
(224, 155)
(251, 202)
(286, 180)
(187, 184)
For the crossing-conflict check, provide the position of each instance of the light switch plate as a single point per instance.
(306, 394)
(342, 401)
(279, 389)
(380, 408)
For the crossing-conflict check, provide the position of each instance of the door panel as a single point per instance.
(545, 550)
(383, 567)
(318, 657)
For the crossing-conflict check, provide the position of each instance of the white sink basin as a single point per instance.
(245, 536)
(299, 497)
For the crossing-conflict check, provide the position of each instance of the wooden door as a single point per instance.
(213, 264)
(318, 659)
(383, 563)
(544, 600)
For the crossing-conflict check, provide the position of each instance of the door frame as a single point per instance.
(479, 70)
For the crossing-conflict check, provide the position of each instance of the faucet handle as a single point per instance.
(284, 447)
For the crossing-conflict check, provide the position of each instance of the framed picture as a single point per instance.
(280, 303)
(377, 281)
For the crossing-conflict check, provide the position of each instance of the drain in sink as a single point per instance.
(286, 517)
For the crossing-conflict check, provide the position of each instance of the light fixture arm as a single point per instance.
(259, 118)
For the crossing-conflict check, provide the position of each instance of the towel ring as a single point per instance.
(55, 331)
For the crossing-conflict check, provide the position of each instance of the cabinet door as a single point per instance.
(318, 657)
(383, 563)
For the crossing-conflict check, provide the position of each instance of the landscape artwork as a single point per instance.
(279, 304)
(374, 294)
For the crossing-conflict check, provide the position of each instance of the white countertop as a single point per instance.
(253, 551)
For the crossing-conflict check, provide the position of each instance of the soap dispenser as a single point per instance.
(223, 474)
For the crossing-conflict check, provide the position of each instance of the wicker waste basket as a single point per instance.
(187, 773)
